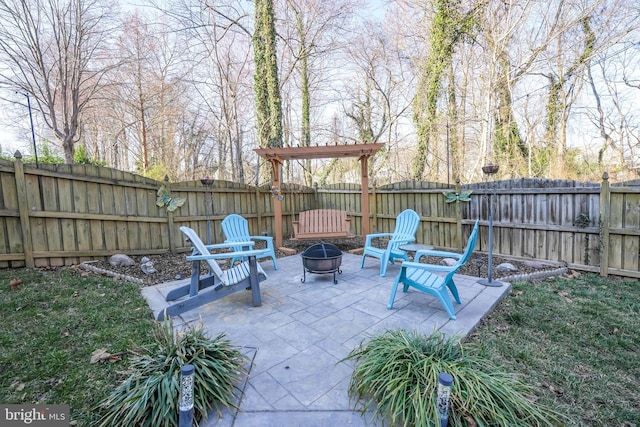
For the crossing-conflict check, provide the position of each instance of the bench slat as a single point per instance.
(318, 223)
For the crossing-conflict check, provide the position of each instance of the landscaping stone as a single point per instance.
(121, 260)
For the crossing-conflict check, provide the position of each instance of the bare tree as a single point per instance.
(53, 48)
(219, 47)
(377, 98)
(312, 31)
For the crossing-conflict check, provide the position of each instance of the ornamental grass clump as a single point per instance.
(396, 375)
(149, 396)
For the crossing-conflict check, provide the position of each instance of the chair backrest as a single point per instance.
(199, 248)
(406, 224)
(471, 244)
(235, 228)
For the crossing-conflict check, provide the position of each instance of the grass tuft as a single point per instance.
(149, 396)
(396, 374)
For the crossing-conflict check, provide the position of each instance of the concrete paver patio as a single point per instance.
(297, 337)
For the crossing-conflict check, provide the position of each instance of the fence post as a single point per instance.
(459, 216)
(23, 207)
(605, 211)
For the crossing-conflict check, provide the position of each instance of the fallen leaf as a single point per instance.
(14, 283)
(66, 334)
(572, 274)
(100, 355)
(75, 294)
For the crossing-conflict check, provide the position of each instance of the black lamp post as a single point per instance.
(488, 170)
(208, 209)
(33, 133)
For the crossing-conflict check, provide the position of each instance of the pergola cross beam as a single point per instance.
(277, 156)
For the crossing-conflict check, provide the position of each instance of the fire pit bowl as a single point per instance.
(321, 258)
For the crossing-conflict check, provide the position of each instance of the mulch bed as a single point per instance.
(174, 266)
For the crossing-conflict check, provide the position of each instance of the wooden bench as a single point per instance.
(322, 223)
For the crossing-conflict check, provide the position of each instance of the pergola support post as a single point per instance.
(364, 188)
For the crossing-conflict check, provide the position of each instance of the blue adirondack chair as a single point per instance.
(423, 277)
(218, 283)
(236, 229)
(405, 232)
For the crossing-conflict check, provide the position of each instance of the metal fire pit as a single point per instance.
(321, 259)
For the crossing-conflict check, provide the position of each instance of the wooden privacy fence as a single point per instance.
(58, 215)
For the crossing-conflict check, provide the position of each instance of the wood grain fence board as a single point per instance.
(94, 208)
(146, 199)
(108, 207)
(616, 256)
(131, 209)
(630, 249)
(436, 210)
(631, 221)
(14, 236)
(566, 247)
(49, 230)
(579, 249)
(67, 226)
(69, 241)
(4, 243)
(632, 211)
(82, 227)
(193, 205)
(518, 244)
(540, 239)
(41, 236)
(130, 202)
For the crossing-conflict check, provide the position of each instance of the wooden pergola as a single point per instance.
(277, 156)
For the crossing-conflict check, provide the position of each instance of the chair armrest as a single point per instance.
(443, 254)
(226, 255)
(265, 238)
(403, 241)
(226, 245)
(376, 236)
(428, 267)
